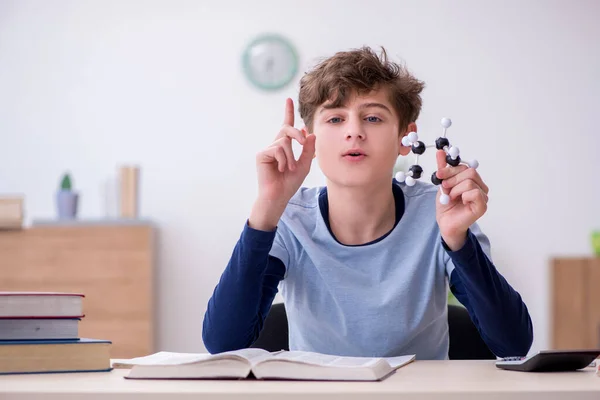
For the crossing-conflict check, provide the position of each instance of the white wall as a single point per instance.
(87, 85)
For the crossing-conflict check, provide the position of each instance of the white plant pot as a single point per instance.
(66, 204)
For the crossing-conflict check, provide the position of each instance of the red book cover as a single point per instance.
(40, 294)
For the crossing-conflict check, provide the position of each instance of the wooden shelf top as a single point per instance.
(91, 222)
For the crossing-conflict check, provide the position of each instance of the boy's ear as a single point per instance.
(405, 150)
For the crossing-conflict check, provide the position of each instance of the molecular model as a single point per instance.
(418, 148)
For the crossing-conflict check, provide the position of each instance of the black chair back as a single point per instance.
(465, 341)
(274, 334)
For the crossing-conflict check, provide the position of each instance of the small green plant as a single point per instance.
(65, 183)
(596, 242)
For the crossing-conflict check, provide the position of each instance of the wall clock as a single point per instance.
(270, 62)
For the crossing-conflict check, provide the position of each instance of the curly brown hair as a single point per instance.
(360, 71)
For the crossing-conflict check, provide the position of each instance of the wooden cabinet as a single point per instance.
(575, 299)
(110, 263)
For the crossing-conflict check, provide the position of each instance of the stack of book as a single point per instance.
(39, 332)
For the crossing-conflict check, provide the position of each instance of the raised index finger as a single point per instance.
(289, 112)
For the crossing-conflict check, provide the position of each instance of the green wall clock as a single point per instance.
(270, 62)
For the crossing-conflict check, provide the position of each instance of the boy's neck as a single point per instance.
(360, 215)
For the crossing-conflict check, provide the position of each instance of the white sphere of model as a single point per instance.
(446, 122)
(444, 199)
(412, 137)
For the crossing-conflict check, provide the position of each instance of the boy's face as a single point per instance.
(359, 142)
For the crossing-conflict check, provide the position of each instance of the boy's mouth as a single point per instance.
(354, 155)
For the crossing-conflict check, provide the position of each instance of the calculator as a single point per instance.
(550, 361)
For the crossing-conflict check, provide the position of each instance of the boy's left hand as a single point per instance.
(468, 201)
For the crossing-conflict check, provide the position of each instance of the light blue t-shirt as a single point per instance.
(383, 299)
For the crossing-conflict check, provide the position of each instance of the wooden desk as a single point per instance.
(424, 380)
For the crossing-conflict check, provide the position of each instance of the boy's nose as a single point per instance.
(355, 130)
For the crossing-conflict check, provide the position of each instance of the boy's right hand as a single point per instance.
(279, 173)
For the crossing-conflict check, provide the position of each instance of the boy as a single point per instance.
(363, 262)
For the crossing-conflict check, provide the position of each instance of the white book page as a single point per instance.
(397, 362)
(171, 358)
(165, 358)
(326, 360)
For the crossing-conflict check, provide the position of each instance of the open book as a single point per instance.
(240, 364)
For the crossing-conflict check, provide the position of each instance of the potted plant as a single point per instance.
(66, 199)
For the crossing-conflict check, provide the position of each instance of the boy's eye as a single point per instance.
(373, 119)
(335, 120)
